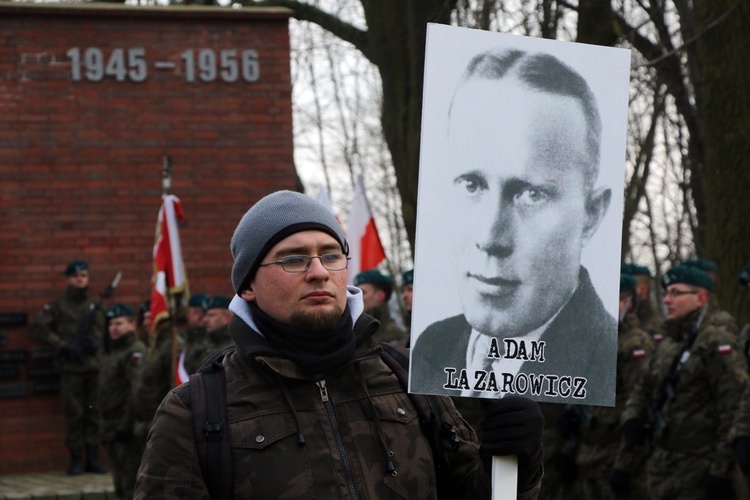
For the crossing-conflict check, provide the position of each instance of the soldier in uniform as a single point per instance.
(741, 430)
(115, 399)
(376, 292)
(719, 317)
(605, 469)
(194, 316)
(193, 334)
(691, 389)
(155, 377)
(74, 325)
(215, 321)
(649, 315)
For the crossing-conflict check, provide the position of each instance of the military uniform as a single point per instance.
(201, 349)
(699, 417)
(651, 321)
(600, 450)
(389, 331)
(153, 381)
(721, 319)
(117, 406)
(557, 483)
(57, 324)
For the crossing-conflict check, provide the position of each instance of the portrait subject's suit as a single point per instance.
(580, 342)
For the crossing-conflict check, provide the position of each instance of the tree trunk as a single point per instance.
(397, 31)
(723, 50)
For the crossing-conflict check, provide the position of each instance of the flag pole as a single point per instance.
(166, 185)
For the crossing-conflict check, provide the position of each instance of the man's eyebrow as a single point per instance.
(304, 250)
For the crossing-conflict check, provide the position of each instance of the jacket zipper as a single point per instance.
(337, 437)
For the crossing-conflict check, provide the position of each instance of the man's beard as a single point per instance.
(317, 323)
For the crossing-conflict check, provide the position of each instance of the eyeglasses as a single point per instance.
(678, 293)
(301, 263)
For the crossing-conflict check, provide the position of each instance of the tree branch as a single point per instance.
(329, 22)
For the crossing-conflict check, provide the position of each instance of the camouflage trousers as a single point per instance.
(673, 474)
(125, 458)
(78, 397)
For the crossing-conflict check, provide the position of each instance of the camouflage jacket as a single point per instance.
(389, 331)
(154, 378)
(203, 347)
(707, 392)
(115, 381)
(57, 325)
(353, 421)
(741, 426)
(601, 440)
(650, 320)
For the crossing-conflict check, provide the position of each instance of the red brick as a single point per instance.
(80, 166)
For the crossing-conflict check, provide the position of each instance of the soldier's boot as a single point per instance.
(92, 460)
(76, 462)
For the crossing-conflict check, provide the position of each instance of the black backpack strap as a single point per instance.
(208, 402)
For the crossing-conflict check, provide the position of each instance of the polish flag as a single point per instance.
(169, 275)
(365, 249)
(181, 375)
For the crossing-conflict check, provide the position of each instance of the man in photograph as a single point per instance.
(523, 158)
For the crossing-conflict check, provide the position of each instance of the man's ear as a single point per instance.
(248, 295)
(597, 205)
(702, 297)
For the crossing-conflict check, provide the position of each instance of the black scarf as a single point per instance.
(313, 352)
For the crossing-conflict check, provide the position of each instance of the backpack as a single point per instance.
(208, 402)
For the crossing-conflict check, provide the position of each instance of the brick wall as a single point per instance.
(81, 154)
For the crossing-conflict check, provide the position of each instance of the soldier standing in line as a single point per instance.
(376, 292)
(648, 313)
(74, 325)
(153, 381)
(115, 400)
(194, 317)
(606, 471)
(215, 321)
(689, 393)
(741, 430)
(719, 317)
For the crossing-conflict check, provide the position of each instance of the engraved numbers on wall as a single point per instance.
(203, 65)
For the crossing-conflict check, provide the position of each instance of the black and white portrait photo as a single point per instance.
(519, 218)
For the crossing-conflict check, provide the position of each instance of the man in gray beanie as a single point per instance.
(309, 396)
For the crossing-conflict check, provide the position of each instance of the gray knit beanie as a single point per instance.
(269, 221)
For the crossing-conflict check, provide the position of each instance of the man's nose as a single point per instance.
(316, 270)
(497, 237)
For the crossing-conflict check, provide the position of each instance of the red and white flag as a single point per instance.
(365, 248)
(181, 375)
(169, 270)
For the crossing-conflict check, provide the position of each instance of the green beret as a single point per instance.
(702, 264)
(197, 300)
(408, 277)
(119, 310)
(745, 275)
(216, 302)
(374, 277)
(635, 270)
(627, 283)
(75, 267)
(689, 276)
